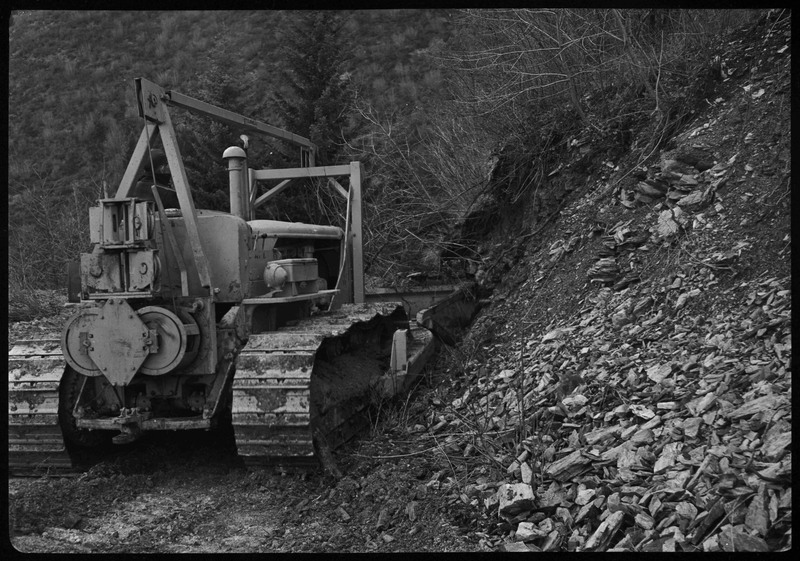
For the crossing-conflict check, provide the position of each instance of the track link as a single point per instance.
(313, 381)
(35, 441)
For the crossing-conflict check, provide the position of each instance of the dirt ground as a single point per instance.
(173, 493)
(190, 493)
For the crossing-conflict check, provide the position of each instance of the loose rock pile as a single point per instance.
(657, 416)
(655, 436)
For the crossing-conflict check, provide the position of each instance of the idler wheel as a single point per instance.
(76, 342)
(172, 339)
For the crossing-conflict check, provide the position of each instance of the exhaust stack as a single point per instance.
(237, 177)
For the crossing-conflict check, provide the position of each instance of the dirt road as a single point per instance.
(179, 493)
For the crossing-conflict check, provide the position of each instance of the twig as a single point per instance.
(453, 469)
(658, 76)
(432, 448)
(688, 486)
(729, 513)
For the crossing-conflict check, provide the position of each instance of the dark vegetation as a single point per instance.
(458, 118)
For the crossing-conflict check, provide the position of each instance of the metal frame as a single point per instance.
(355, 244)
(152, 102)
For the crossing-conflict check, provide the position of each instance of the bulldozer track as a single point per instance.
(308, 384)
(295, 389)
(35, 441)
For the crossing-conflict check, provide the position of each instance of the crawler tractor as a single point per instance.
(184, 317)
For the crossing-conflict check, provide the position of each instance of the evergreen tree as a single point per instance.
(203, 140)
(316, 100)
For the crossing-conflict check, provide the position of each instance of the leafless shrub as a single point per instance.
(509, 60)
(27, 303)
(48, 227)
(521, 83)
(421, 180)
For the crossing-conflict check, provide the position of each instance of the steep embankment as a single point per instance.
(632, 375)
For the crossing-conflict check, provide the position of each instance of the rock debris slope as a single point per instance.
(632, 378)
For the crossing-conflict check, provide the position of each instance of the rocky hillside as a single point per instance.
(632, 377)
(627, 388)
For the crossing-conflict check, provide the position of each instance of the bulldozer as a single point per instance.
(186, 318)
